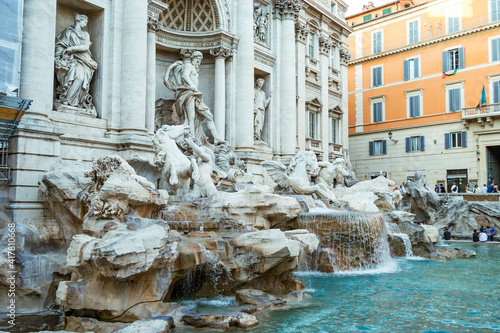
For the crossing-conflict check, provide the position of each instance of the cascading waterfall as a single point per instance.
(394, 231)
(348, 240)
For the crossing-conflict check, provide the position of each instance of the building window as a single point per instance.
(377, 76)
(367, 17)
(377, 106)
(453, 59)
(407, 5)
(378, 147)
(496, 92)
(495, 10)
(313, 125)
(312, 45)
(377, 42)
(454, 99)
(455, 140)
(495, 49)
(413, 32)
(335, 129)
(415, 143)
(453, 24)
(386, 11)
(414, 106)
(334, 63)
(411, 68)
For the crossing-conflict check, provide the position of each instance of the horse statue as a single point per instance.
(176, 168)
(296, 176)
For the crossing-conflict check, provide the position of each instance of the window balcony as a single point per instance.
(483, 115)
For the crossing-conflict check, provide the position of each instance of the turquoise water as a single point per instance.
(404, 296)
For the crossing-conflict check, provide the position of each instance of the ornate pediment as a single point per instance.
(314, 104)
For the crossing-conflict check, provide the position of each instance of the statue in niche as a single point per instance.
(182, 78)
(74, 66)
(260, 22)
(260, 105)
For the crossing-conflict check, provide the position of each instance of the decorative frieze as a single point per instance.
(301, 32)
(202, 41)
(287, 9)
(221, 51)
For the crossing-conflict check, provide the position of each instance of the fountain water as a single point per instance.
(394, 231)
(348, 240)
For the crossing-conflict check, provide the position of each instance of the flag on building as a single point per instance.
(483, 98)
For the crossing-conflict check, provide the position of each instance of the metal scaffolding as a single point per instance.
(11, 111)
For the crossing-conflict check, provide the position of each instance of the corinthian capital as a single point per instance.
(324, 45)
(221, 51)
(287, 9)
(345, 56)
(301, 32)
(155, 8)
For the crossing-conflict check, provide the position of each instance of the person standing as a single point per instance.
(489, 189)
(446, 234)
(436, 188)
(454, 188)
(442, 189)
(475, 236)
(476, 189)
(485, 189)
(490, 231)
(467, 188)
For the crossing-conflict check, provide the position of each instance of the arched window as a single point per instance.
(190, 15)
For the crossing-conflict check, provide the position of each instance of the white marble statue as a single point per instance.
(260, 105)
(261, 20)
(296, 176)
(176, 168)
(182, 78)
(330, 172)
(74, 66)
(204, 185)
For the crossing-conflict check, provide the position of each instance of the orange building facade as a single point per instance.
(415, 81)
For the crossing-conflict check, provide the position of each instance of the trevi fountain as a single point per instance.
(194, 222)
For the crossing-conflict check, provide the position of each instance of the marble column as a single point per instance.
(134, 67)
(301, 33)
(220, 54)
(155, 8)
(37, 57)
(287, 12)
(324, 51)
(245, 76)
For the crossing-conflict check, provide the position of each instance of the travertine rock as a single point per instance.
(258, 298)
(146, 326)
(368, 196)
(236, 319)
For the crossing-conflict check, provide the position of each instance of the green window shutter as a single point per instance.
(408, 144)
(422, 143)
(447, 140)
(461, 58)
(370, 147)
(495, 49)
(384, 147)
(495, 10)
(386, 11)
(406, 69)
(416, 68)
(445, 61)
(496, 92)
(464, 139)
(367, 17)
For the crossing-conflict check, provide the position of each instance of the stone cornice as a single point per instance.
(287, 9)
(199, 41)
(264, 57)
(310, 5)
(435, 40)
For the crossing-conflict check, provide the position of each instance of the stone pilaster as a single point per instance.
(37, 57)
(134, 67)
(287, 12)
(155, 8)
(301, 32)
(220, 53)
(244, 85)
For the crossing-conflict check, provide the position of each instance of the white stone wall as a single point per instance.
(435, 159)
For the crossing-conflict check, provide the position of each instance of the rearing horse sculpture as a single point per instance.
(176, 169)
(296, 176)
